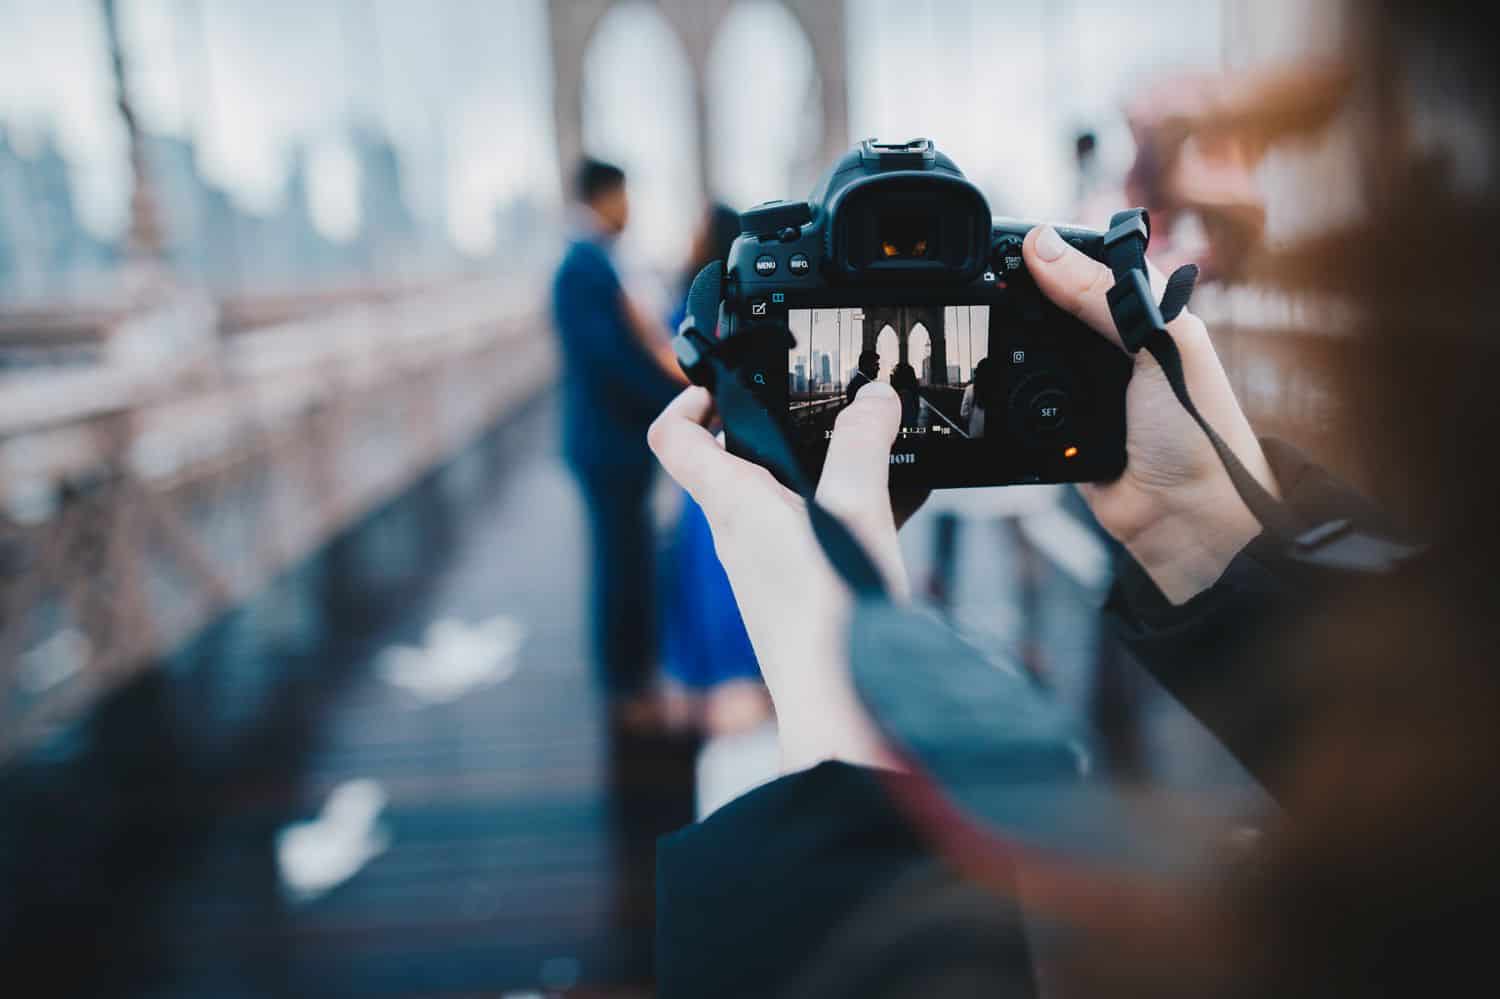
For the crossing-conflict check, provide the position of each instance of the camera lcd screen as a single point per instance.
(932, 355)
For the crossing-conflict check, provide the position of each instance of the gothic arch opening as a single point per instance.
(888, 346)
(765, 129)
(638, 110)
(903, 322)
(919, 352)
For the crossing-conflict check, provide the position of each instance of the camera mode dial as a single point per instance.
(1006, 257)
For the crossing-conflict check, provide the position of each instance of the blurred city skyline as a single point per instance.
(294, 139)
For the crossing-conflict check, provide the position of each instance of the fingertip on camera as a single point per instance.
(1049, 245)
(874, 391)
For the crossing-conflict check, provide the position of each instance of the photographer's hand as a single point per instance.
(795, 608)
(1174, 509)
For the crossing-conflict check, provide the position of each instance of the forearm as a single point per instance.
(819, 716)
(652, 338)
(825, 721)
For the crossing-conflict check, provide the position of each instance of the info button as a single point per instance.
(799, 265)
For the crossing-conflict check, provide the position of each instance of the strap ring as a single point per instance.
(1133, 227)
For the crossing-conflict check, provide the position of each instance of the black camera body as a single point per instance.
(896, 271)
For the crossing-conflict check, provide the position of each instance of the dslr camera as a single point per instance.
(896, 271)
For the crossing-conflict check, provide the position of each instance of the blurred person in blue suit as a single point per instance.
(618, 373)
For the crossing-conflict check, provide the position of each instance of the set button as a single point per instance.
(1047, 412)
(1041, 406)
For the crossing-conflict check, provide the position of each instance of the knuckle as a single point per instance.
(1190, 333)
(1091, 287)
(658, 433)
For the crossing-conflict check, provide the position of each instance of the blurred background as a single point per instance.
(294, 680)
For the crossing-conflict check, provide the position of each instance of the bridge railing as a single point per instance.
(141, 497)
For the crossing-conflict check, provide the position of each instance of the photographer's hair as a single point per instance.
(1388, 775)
(904, 378)
(1378, 874)
(595, 177)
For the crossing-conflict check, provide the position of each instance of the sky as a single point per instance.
(464, 88)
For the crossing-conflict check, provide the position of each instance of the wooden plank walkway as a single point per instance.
(511, 863)
(138, 849)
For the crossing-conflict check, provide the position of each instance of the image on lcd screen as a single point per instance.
(932, 355)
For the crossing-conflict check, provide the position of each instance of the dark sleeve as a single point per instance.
(1211, 653)
(817, 884)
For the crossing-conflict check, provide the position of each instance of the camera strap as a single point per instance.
(755, 429)
(997, 746)
(999, 749)
(1142, 325)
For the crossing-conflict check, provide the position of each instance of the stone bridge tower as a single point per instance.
(573, 23)
(902, 320)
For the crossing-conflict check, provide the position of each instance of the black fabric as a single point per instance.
(704, 296)
(1205, 652)
(818, 868)
(760, 898)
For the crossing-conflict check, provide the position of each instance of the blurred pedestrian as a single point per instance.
(705, 649)
(977, 396)
(868, 371)
(904, 381)
(617, 374)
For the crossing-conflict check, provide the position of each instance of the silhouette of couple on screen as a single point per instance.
(903, 379)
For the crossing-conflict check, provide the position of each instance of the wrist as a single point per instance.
(1186, 550)
(842, 732)
(829, 723)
